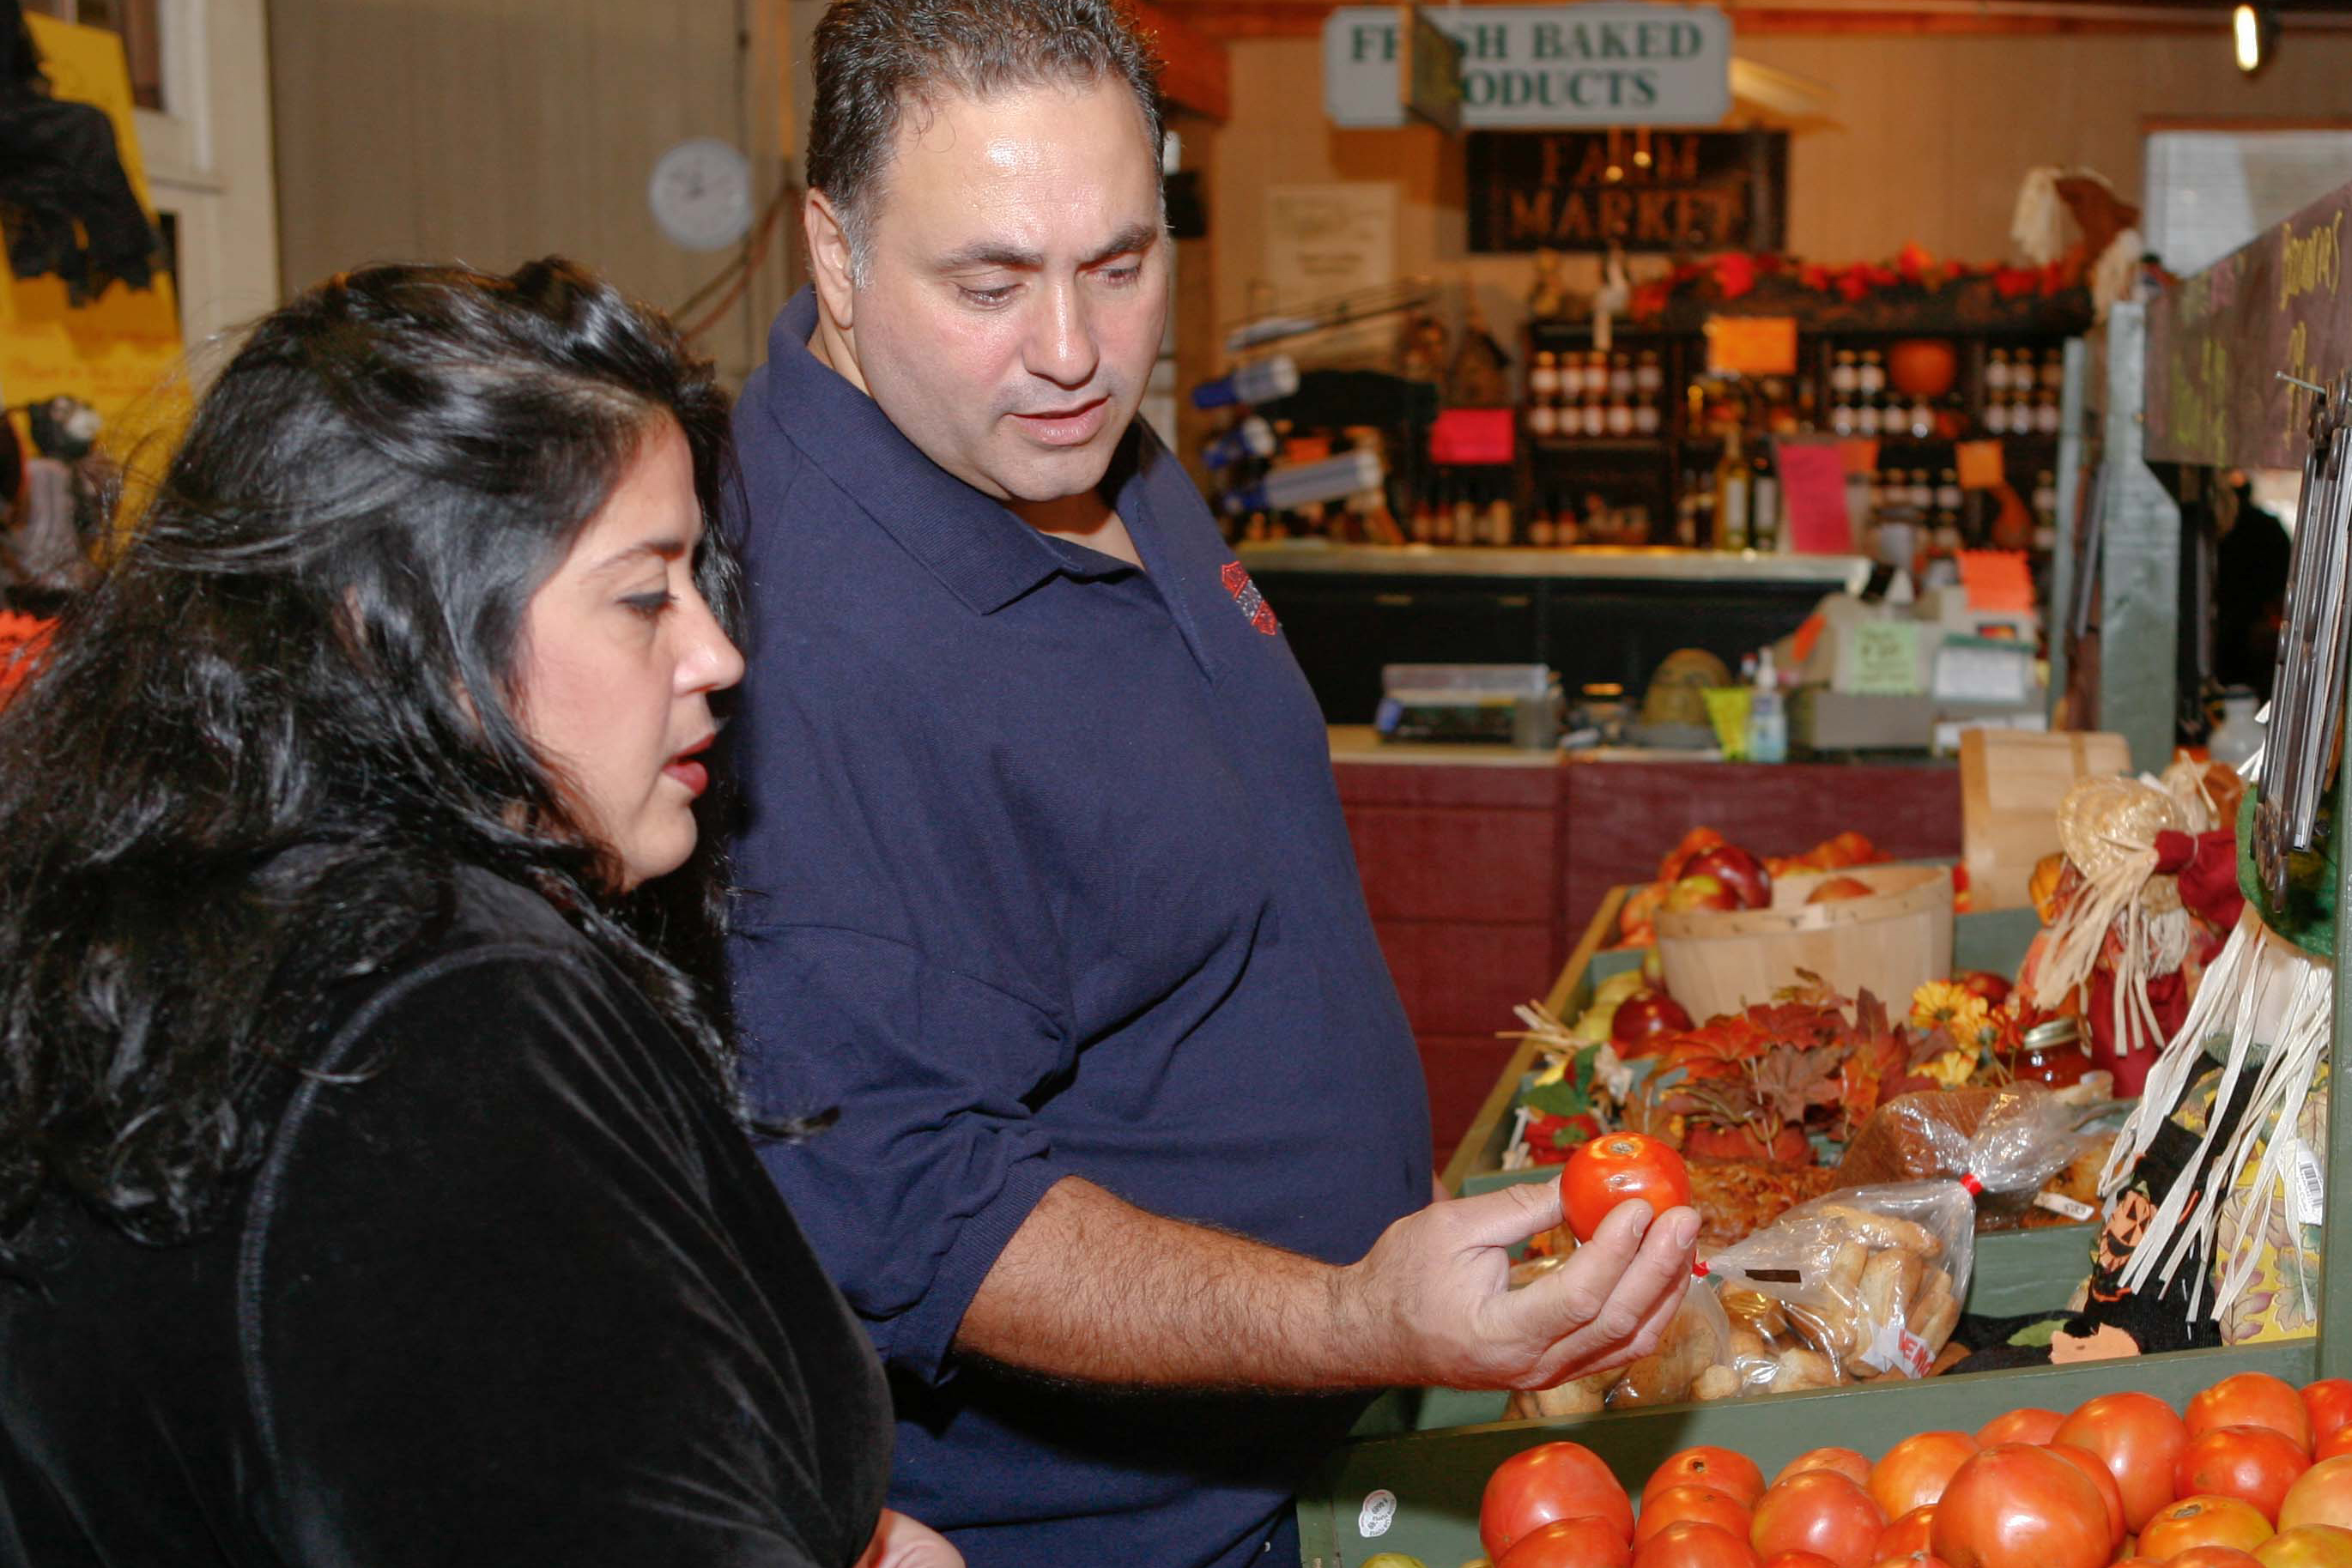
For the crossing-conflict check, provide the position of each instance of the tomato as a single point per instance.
(2334, 1446)
(1842, 1461)
(1606, 1172)
(1907, 1535)
(2204, 1521)
(2256, 1464)
(2139, 1437)
(1817, 1510)
(2026, 1426)
(2328, 1403)
(2251, 1399)
(1726, 1470)
(1691, 1502)
(1693, 1543)
(2307, 1546)
(1913, 1560)
(1913, 1472)
(2212, 1557)
(1548, 1482)
(2091, 1465)
(2018, 1506)
(1570, 1543)
(1798, 1560)
(2320, 1495)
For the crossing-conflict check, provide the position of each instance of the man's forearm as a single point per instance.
(1095, 1289)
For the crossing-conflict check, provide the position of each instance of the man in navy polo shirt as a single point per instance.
(1046, 884)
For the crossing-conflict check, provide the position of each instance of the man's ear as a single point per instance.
(829, 260)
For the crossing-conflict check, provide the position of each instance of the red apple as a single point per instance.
(1840, 887)
(1640, 1019)
(1700, 893)
(1739, 871)
(1983, 983)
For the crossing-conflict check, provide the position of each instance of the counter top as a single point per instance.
(1849, 572)
(1362, 743)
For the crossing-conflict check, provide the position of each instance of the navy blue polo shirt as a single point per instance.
(1043, 874)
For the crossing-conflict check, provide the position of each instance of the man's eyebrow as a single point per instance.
(990, 253)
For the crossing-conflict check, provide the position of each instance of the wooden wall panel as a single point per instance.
(494, 130)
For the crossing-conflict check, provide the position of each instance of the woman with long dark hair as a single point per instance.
(373, 1186)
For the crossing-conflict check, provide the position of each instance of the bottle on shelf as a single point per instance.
(1922, 418)
(1995, 378)
(2054, 369)
(1996, 415)
(1843, 419)
(1844, 379)
(2046, 418)
(1539, 527)
(2045, 513)
(1569, 372)
(1543, 419)
(1767, 719)
(1949, 495)
(1733, 494)
(1922, 494)
(1462, 522)
(1764, 503)
(1543, 377)
(1868, 418)
(1649, 377)
(1870, 374)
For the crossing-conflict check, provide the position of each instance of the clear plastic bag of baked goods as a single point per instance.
(1696, 1344)
(1769, 1353)
(1869, 1280)
(2004, 1143)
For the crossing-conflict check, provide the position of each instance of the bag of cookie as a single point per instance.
(1868, 1281)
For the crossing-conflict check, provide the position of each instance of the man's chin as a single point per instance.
(1039, 478)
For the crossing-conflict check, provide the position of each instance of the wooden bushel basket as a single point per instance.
(1891, 944)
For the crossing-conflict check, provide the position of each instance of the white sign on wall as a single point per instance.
(1542, 66)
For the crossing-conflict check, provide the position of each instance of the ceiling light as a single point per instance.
(2253, 29)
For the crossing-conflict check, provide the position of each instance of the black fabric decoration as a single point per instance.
(65, 202)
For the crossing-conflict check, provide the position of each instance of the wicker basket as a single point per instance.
(1891, 943)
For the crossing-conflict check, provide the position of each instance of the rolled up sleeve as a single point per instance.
(934, 1161)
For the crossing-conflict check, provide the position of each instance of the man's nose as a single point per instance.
(1062, 347)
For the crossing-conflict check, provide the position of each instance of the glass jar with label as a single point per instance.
(1870, 374)
(1947, 490)
(2045, 512)
(1996, 382)
(1543, 419)
(1649, 376)
(2054, 369)
(1570, 375)
(1996, 417)
(2046, 414)
(1844, 380)
(1841, 418)
(1543, 377)
(1620, 377)
(1621, 414)
(1645, 418)
(1921, 422)
(1867, 418)
(1922, 494)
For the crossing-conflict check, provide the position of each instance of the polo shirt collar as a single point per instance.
(981, 551)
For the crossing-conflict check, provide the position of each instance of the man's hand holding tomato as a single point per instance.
(1432, 1302)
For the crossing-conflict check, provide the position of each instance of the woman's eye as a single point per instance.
(650, 605)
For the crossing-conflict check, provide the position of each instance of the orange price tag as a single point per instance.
(1980, 464)
(1752, 345)
(1860, 456)
(1996, 579)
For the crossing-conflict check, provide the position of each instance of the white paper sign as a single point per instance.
(1542, 68)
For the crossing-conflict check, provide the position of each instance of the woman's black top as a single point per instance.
(521, 1295)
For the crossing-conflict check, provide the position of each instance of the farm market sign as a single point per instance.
(1541, 66)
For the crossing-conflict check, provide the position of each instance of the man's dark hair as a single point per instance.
(875, 58)
(256, 756)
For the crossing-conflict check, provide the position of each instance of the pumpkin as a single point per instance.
(1922, 367)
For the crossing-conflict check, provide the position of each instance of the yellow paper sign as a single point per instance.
(1752, 345)
(1886, 658)
(113, 351)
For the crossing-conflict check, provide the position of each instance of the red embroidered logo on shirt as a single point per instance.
(1253, 602)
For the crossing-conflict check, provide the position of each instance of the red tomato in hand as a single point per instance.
(1691, 1502)
(1607, 1171)
(1913, 1472)
(1693, 1543)
(2255, 1464)
(2027, 1426)
(1726, 1470)
(1817, 1510)
(2018, 1506)
(1570, 1543)
(2204, 1521)
(2320, 1495)
(2091, 1465)
(1840, 1461)
(2139, 1437)
(2251, 1399)
(1546, 1483)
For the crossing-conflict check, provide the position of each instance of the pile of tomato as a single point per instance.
(2254, 1474)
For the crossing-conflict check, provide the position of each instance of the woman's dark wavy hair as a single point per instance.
(256, 756)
